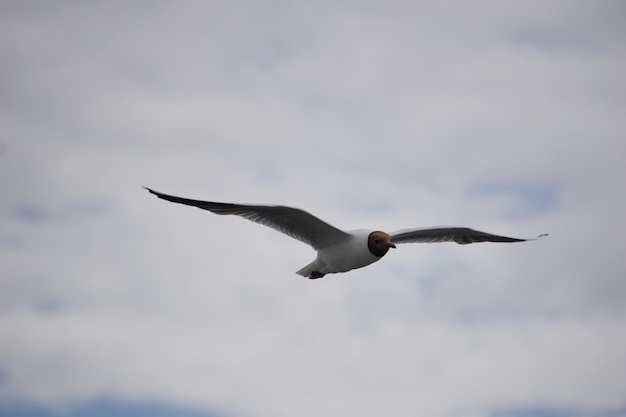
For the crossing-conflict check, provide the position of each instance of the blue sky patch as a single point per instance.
(31, 214)
(531, 198)
(37, 214)
(548, 40)
(104, 408)
(557, 412)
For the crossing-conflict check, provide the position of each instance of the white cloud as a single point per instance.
(368, 115)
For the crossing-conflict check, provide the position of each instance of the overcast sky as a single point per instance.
(508, 117)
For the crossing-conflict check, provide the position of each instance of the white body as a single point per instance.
(343, 256)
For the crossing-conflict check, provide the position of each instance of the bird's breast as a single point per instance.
(347, 255)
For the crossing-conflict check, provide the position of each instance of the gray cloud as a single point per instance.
(507, 118)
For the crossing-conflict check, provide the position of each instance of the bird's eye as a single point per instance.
(376, 240)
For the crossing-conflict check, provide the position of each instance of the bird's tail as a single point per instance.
(308, 270)
(311, 271)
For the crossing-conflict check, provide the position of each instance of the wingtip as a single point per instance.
(156, 193)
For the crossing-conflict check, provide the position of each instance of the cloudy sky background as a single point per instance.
(509, 118)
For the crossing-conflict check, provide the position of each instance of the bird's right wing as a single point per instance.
(460, 235)
(291, 221)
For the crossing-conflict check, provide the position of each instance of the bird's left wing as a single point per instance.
(460, 235)
(291, 221)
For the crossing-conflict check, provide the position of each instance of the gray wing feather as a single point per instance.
(460, 235)
(293, 222)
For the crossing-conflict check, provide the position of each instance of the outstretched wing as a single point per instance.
(288, 220)
(460, 235)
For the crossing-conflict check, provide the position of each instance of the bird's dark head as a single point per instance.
(379, 243)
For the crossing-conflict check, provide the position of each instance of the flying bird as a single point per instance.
(338, 250)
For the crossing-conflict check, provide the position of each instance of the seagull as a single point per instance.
(338, 250)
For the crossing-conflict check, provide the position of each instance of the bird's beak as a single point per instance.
(391, 245)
